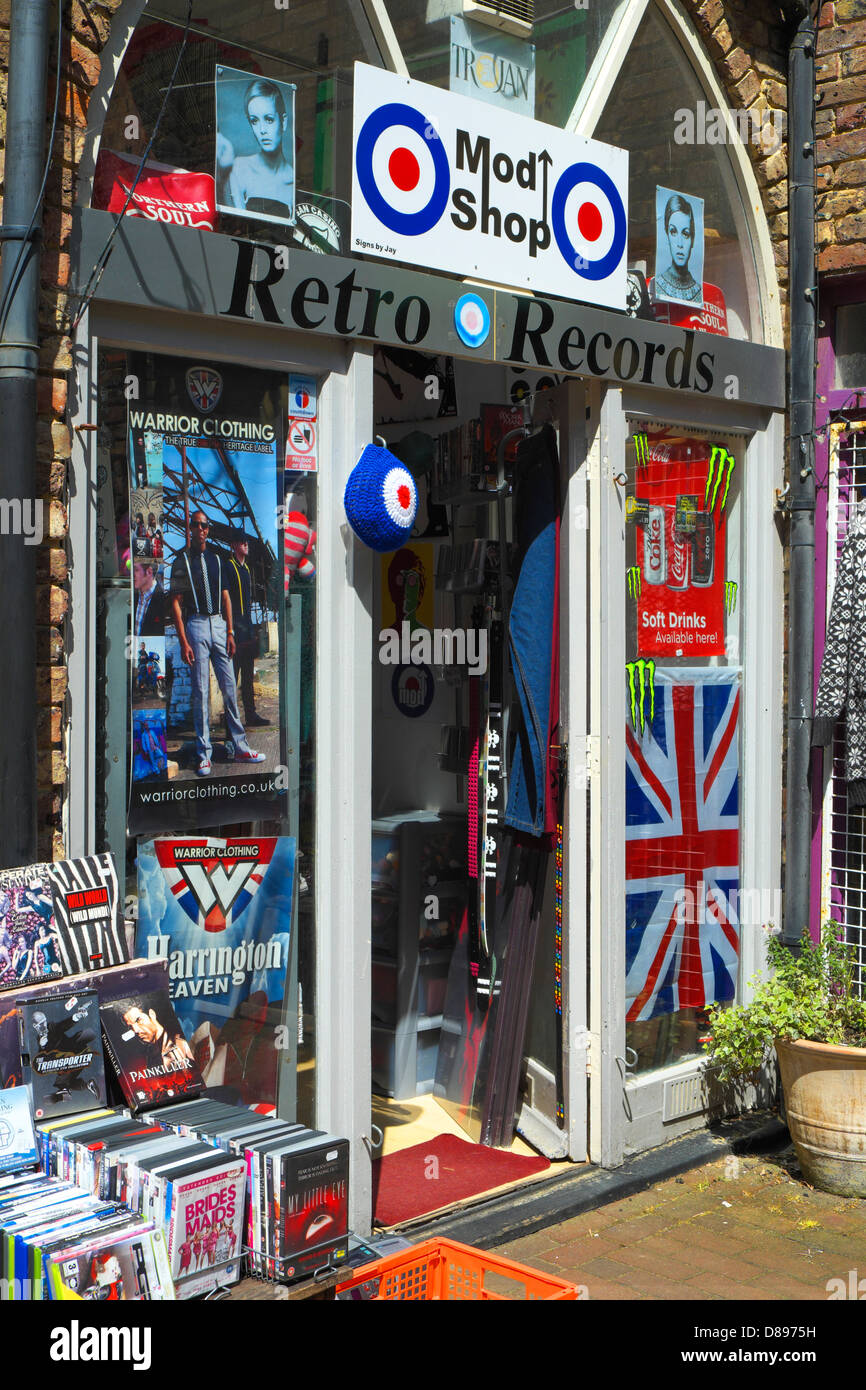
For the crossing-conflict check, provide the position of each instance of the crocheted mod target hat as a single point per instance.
(381, 499)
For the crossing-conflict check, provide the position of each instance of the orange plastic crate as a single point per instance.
(444, 1269)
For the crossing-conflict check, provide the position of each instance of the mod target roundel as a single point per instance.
(589, 221)
(403, 169)
(381, 499)
(472, 320)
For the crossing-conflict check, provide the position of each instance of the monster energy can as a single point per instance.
(703, 551)
(654, 549)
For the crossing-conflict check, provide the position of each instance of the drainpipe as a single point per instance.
(25, 153)
(801, 468)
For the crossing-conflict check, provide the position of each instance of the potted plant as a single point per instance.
(809, 1010)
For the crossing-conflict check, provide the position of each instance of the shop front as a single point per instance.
(504, 794)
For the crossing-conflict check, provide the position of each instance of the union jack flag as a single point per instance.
(682, 846)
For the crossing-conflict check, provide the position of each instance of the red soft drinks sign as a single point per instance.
(683, 492)
(712, 318)
(162, 194)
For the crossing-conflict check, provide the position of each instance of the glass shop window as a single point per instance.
(537, 67)
(850, 346)
(687, 236)
(684, 679)
(255, 137)
(205, 704)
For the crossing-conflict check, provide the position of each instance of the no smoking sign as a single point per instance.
(301, 446)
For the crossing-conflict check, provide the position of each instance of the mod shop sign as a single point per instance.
(442, 181)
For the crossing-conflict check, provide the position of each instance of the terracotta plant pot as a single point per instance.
(825, 1100)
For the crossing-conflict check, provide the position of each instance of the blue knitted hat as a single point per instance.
(381, 499)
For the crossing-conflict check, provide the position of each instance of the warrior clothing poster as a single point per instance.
(683, 495)
(220, 912)
(682, 842)
(207, 729)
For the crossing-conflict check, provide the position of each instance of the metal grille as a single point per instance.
(843, 885)
(523, 10)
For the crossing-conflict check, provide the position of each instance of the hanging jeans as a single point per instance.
(532, 633)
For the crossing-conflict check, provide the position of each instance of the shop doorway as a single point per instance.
(466, 913)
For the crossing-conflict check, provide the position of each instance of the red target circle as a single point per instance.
(589, 221)
(404, 169)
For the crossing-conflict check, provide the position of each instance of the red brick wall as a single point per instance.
(841, 131)
(85, 32)
(747, 42)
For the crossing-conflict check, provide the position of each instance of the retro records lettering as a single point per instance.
(220, 912)
(677, 540)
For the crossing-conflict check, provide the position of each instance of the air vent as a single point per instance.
(685, 1095)
(511, 16)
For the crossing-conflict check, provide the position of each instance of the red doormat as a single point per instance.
(439, 1173)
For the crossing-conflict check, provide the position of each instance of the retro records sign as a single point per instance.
(206, 458)
(446, 182)
(220, 912)
(678, 520)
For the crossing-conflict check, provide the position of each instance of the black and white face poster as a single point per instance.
(255, 146)
(207, 736)
(679, 247)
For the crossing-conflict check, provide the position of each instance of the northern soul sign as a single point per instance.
(443, 181)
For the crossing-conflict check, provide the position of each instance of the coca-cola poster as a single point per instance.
(683, 494)
(162, 193)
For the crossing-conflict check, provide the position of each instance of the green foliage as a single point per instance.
(812, 995)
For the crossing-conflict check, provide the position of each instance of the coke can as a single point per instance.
(679, 552)
(703, 551)
(654, 549)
